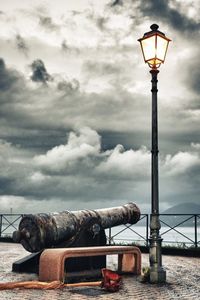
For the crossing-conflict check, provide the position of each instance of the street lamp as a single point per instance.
(154, 46)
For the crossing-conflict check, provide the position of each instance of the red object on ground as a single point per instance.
(111, 280)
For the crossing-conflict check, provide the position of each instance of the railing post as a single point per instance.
(147, 230)
(109, 236)
(0, 224)
(195, 231)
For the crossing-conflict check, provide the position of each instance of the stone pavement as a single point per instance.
(183, 277)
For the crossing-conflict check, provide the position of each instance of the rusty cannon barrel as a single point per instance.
(40, 231)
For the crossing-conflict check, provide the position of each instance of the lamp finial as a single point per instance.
(154, 27)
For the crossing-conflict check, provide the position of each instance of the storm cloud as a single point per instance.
(75, 117)
(161, 10)
(21, 45)
(81, 167)
(39, 71)
(47, 23)
(117, 2)
(193, 80)
(9, 78)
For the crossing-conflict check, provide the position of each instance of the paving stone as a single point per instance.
(183, 275)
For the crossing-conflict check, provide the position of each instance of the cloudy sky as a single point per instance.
(75, 104)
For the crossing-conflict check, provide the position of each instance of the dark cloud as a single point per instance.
(75, 13)
(6, 184)
(21, 45)
(65, 171)
(36, 139)
(194, 75)
(117, 2)
(161, 10)
(114, 99)
(68, 87)
(64, 105)
(40, 73)
(79, 169)
(69, 49)
(47, 23)
(101, 22)
(64, 46)
(8, 77)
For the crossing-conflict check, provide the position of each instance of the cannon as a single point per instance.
(40, 231)
(72, 229)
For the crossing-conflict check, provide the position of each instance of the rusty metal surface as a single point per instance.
(52, 261)
(40, 231)
(110, 217)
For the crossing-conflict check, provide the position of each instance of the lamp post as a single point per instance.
(154, 46)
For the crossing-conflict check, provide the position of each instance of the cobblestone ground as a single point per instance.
(183, 277)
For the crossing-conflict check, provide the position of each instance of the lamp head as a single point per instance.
(154, 46)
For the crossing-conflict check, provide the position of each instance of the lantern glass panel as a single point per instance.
(148, 47)
(161, 48)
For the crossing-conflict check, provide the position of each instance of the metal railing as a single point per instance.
(177, 229)
(132, 229)
(182, 230)
(9, 223)
(182, 221)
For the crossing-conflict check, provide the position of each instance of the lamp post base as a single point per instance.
(157, 275)
(157, 272)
